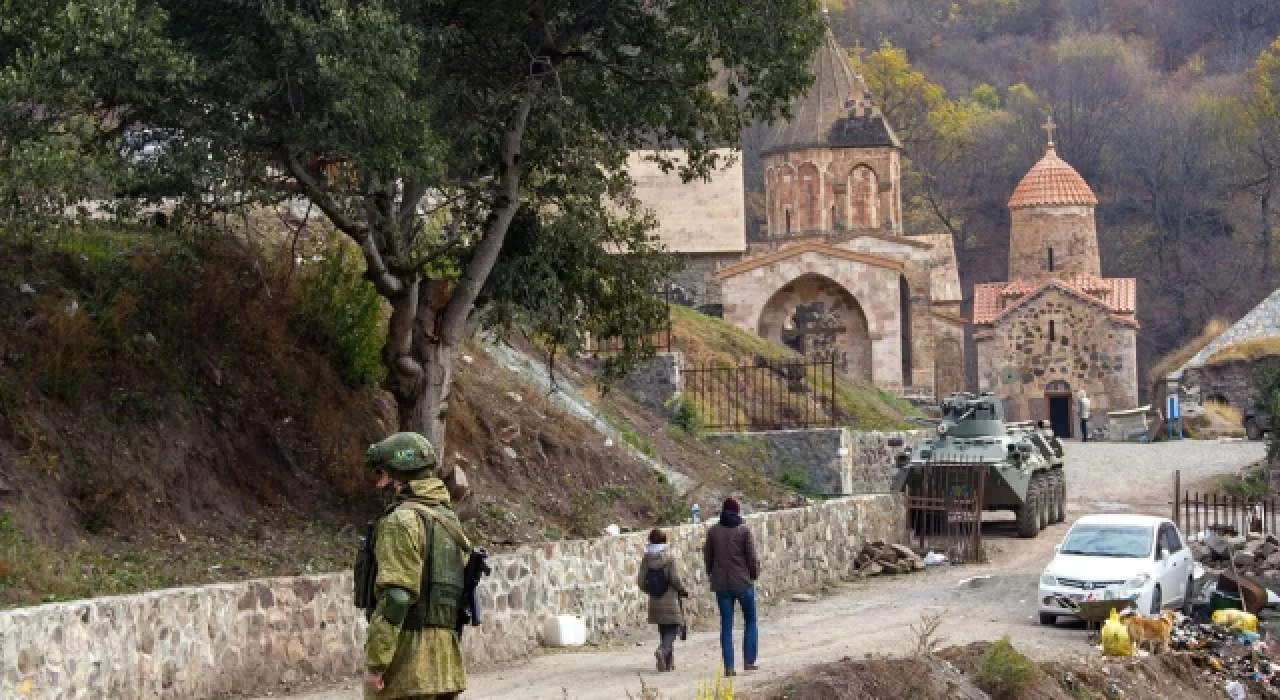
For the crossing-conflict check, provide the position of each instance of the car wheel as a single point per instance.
(1155, 601)
(1048, 619)
(1029, 513)
(1252, 430)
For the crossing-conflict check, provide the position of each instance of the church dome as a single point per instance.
(836, 112)
(1052, 183)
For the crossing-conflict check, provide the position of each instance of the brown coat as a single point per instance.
(664, 610)
(730, 557)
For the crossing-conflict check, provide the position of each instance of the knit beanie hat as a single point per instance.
(730, 506)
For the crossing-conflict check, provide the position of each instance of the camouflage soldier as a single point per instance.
(412, 647)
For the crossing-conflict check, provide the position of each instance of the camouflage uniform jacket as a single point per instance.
(427, 661)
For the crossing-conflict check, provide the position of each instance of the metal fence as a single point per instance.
(1196, 512)
(765, 396)
(944, 509)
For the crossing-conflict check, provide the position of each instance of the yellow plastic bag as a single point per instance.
(1115, 637)
(1238, 620)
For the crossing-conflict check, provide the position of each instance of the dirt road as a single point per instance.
(981, 602)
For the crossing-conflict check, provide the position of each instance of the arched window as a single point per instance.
(1051, 260)
(834, 223)
(863, 188)
(1053, 334)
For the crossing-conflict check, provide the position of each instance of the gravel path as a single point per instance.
(980, 602)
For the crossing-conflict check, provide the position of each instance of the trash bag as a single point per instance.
(1238, 620)
(1115, 637)
(936, 559)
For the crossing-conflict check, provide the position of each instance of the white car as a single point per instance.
(1118, 556)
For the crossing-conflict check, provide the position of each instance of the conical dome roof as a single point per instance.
(836, 112)
(1052, 183)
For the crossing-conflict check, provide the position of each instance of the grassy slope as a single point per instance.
(705, 340)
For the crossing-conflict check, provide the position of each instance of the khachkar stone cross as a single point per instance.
(814, 330)
(1050, 127)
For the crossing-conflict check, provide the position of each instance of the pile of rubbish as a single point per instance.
(878, 558)
(1235, 656)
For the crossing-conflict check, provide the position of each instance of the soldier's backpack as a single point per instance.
(656, 583)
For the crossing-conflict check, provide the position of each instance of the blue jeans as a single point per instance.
(751, 633)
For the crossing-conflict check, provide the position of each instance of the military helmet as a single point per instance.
(402, 452)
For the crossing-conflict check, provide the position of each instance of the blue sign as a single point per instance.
(1174, 410)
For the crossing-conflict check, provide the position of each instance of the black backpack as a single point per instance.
(656, 583)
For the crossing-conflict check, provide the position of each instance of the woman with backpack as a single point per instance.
(660, 578)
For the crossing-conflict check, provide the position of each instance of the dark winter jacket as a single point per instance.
(730, 555)
(665, 609)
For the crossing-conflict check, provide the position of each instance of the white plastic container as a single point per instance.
(564, 631)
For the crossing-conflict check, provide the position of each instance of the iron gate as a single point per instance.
(944, 509)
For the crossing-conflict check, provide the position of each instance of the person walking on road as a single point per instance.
(660, 578)
(1082, 403)
(421, 552)
(732, 565)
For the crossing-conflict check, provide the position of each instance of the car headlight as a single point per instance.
(1048, 579)
(1138, 581)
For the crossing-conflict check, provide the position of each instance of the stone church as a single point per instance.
(835, 277)
(1057, 325)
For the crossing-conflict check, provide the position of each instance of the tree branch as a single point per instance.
(453, 322)
(387, 284)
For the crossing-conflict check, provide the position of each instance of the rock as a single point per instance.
(515, 397)
(468, 359)
(1267, 550)
(917, 564)
(1237, 541)
(509, 452)
(803, 598)
(904, 552)
(1243, 559)
(873, 569)
(1254, 547)
(26, 288)
(1272, 562)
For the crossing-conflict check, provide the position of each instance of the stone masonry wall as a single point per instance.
(828, 461)
(1070, 232)
(249, 637)
(1233, 382)
(1019, 361)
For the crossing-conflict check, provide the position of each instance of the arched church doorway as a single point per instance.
(1058, 395)
(820, 319)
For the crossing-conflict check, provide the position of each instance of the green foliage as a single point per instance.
(1005, 672)
(1267, 384)
(1249, 485)
(629, 435)
(986, 96)
(686, 415)
(795, 479)
(346, 311)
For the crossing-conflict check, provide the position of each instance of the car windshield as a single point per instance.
(1109, 541)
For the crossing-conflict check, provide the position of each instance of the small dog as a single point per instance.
(1155, 630)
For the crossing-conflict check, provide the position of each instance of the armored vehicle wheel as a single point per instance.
(1029, 513)
(1046, 498)
(1059, 481)
(1048, 619)
(1251, 429)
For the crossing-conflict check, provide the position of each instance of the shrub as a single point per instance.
(686, 415)
(1005, 672)
(345, 310)
(70, 345)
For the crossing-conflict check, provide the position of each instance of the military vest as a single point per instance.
(441, 586)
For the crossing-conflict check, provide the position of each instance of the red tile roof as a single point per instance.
(993, 301)
(1052, 182)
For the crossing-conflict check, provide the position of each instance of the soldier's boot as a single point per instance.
(661, 659)
(671, 660)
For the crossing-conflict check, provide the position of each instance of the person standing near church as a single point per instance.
(1082, 405)
(732, 565)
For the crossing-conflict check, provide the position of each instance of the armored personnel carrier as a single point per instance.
(1024, 460)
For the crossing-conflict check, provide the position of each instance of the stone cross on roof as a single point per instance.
(1050, 127)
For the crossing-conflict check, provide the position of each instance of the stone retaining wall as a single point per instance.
(250, 637)
(829, 461)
